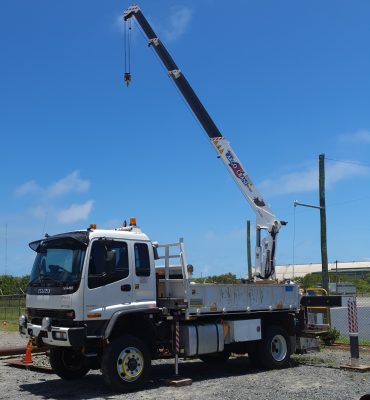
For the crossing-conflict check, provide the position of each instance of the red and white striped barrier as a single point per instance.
(177, 346)
(353, 331)
(352, 317)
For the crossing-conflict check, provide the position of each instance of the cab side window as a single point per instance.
(108, 262)
(142, 259)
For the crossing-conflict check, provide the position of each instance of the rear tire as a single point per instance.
(67, 363)
(216, 358)
(274, 350)
(126, 364)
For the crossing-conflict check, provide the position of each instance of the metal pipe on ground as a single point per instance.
(15, 351)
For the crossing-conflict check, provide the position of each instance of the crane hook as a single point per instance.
(127, 78)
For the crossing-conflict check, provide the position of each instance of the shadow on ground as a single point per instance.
(93, 386)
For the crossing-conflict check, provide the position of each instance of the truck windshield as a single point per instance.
(58, 263)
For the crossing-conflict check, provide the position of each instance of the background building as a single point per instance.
(357, 269)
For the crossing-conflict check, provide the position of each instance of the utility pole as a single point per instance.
(324, 248)
(249, 256)
(6, 249)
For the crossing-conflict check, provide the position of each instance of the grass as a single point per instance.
(304, 358)
(9, 316)
(11, 313)
(345, 340)
(8, 326)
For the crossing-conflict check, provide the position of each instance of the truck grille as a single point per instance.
(58, 317)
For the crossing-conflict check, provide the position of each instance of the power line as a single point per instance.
(348, 162)
(349, 201)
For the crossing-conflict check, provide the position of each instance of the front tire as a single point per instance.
(126, 364)
(274, 351)
(67, 363)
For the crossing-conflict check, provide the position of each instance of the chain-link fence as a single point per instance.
(339, 316)
(12, 306)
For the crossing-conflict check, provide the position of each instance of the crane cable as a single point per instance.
(127, 51)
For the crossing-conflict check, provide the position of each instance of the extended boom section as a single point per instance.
(265, 218)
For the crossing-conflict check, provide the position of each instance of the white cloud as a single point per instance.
(179, 21)
(68, 184)
(75, 212)
(71, 183)
(307, 181)
(341, 171)
(39, 212)
(26, 188)
(361, 136)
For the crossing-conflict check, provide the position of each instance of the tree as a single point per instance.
(13, 284)
(223, 278)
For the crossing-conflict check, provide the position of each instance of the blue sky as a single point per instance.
(283, 80)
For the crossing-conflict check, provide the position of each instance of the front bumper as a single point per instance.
(55, 336)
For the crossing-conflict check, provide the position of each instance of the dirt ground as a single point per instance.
(315, 376)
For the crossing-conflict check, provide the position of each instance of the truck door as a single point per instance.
(108, 286)
(143, 275)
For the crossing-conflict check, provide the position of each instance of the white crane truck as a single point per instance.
(99, 300)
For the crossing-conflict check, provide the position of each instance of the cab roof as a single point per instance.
(82, 238)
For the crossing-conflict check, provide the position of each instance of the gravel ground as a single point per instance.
(313, 377)
(11, 339)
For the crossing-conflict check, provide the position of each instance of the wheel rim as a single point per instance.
(130, 364)
(279, 348)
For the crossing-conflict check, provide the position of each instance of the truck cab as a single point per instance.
(79, 280)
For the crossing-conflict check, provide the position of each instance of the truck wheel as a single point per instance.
(126, 363)
(68, 363)
(216, 358)
(274, 351)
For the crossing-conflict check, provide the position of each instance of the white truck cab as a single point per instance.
(87, 276)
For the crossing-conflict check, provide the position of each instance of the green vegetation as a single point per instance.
(309, 280)
(9, 326)
(224, 278)
(345, 340)
(331, 336)
(12, 300)
(314, 280)
(12, 308)
(13, 284)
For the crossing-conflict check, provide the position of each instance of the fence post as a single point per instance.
(354, 365)
(353, 332)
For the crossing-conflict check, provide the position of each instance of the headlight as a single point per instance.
(46, 323)
(58, 335)
(23, 321)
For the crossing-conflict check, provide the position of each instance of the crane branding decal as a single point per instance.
(237, 169)
(229, 159)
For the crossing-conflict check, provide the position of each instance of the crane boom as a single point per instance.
(265, 218)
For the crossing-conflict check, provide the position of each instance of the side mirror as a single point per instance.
(155, 253)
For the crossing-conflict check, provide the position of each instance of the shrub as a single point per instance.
(330, 336)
